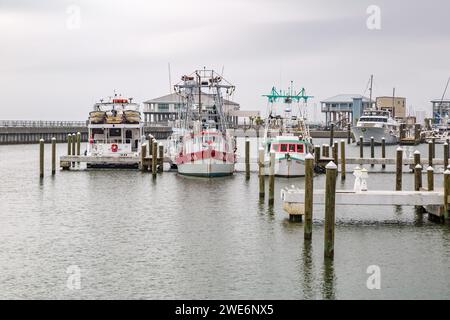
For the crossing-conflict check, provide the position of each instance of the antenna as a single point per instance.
(371, 89)
(170, 79)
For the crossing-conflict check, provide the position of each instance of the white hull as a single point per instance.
(287, 168)
(206, 168)
(377, 133)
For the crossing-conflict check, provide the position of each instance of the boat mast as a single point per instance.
(371, 88)
(393, 103)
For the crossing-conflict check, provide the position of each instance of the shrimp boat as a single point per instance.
(287, 133)
(200, 145)
(115, 134)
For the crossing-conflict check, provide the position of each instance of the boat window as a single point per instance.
(292, 148)
(276, 147)
(97, 131)
(284, 147)
(115, 132)
(128, 134)
(300, 148)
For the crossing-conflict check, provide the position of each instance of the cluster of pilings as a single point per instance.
(152, 156)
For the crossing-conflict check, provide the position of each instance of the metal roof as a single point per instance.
(175, 98)
(345, 98)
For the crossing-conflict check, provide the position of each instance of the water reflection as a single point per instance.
(308, 270)
(329, 280)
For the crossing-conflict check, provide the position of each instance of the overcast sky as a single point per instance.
(52, 67)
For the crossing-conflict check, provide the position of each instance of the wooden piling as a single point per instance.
(330, 203)
(317, 155)
(343, 165)
(326, 151)
(78, 143)
(53, 156)
(262, 178)
(336, 153)
(41, 158)
(143, 154)
(430, 178)
(445, 155)
(74, 144)
(349, 134)
(247, 159)
(309, 191)
(161, 158)
(416, 157)
(446, 194)
(372, 149)
(398, 171)
(361, 147)
(383, 151)
(332, 134)
(154, 158)
(272, 179)
(433, 141)
(417, 177)
(430, 153)
(69, 144)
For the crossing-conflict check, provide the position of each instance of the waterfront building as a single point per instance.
(441, 109)
(344, 109)
(395, 105)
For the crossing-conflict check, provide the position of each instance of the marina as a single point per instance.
(221, 157)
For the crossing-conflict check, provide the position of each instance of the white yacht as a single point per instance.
(115, 133)
(377, 124)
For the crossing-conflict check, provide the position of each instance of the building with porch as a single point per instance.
(167, 108)
(441, 110)
(344, 109)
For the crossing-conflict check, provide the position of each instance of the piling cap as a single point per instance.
(41, 140)
(430, 168)
(342, 140)
(78, 132)
(445, 144)
(372, 138)
(53, 138)
(446, 172)
(361, 137)
(383, 138)
(418, 166)
(331, 165)
(309, 156)
(399, 149)
(417, 152)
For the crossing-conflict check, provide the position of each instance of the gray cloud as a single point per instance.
(322, 45)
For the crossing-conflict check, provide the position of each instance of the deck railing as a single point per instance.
(41, 124)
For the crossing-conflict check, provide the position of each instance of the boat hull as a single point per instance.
(287, 168)
(207, 168)
(377, 133)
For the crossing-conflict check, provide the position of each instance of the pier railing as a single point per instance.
(41, 124)
(59, 124)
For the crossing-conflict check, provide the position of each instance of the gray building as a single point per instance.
(166, 108)
(344, 109)
(441, 109)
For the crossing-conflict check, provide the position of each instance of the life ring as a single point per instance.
(114, 147)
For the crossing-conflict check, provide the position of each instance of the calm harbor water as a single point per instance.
(189, 238)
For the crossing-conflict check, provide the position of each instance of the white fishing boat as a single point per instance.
(200, 145)
(377, 124)
(113, 136)
(287, 133)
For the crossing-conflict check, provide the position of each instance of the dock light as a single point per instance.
(364, 176)
(357, 174)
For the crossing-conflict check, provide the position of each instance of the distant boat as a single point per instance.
(377, 124)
